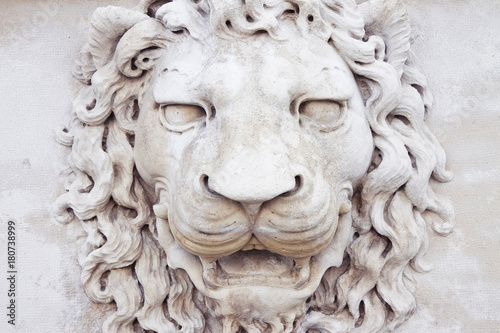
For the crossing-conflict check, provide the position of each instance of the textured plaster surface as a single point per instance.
(456, 44)
(461, 62)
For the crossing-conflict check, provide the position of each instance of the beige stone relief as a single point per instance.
(252, 166)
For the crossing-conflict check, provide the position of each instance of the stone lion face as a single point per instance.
(253, 147)
(248, 166)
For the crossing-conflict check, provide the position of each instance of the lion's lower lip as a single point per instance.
(255, 267)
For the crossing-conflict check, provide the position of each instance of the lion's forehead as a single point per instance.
(254, 68)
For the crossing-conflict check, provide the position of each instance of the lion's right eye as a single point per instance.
(181, 117)
(325, 115)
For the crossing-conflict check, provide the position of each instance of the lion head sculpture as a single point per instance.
(252, 166)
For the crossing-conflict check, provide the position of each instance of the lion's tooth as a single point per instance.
(248, 247)
(345, 207)
(161, 210)
(253, 244)
(253, 240)
(302, 261)
(208, 263)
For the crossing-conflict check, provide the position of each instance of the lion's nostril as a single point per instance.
(298, 185)
(259, 191)
(204, 183)
(206, 187)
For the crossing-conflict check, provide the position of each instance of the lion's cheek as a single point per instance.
(157, 151)
(359, 142)
(350, 152)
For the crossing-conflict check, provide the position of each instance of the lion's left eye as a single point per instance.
(181, 117)
(326, 115)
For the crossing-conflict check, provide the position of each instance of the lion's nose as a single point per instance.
(251, 193)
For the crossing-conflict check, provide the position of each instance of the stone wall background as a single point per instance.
(457, 44)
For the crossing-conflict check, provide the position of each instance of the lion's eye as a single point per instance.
(181, 117)
(326, 115)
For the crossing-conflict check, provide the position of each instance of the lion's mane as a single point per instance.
(392, 207)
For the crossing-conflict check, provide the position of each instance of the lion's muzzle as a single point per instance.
(296, 218)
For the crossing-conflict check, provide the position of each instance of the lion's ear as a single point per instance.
(140, 47)
(108, 25)
(131, 38)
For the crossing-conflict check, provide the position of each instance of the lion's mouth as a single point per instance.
(256, 268)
